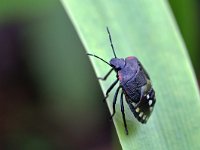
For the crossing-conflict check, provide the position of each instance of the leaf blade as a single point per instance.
(147, 30)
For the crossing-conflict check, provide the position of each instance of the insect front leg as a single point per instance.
(106, 76)
(110, 88)
(123, 114)
(114, 101)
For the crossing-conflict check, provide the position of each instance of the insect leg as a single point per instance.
(123, 114)
(114, 101)
(110, 88)
(107, 74)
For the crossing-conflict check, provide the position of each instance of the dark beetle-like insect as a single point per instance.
(135, 84)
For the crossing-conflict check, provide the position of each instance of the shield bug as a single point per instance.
(134, 83)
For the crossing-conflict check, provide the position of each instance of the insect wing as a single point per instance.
(143, 109)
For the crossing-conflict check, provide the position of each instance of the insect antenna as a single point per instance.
(98, 58)
(111, 42)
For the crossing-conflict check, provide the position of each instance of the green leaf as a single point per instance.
(147, 30)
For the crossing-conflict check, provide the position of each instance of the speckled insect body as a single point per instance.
(137, 88)
(134, 83)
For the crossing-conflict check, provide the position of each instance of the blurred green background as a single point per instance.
(50, 98)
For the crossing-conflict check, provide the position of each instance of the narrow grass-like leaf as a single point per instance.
(147, 30)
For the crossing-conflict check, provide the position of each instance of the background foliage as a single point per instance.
(50, 97)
